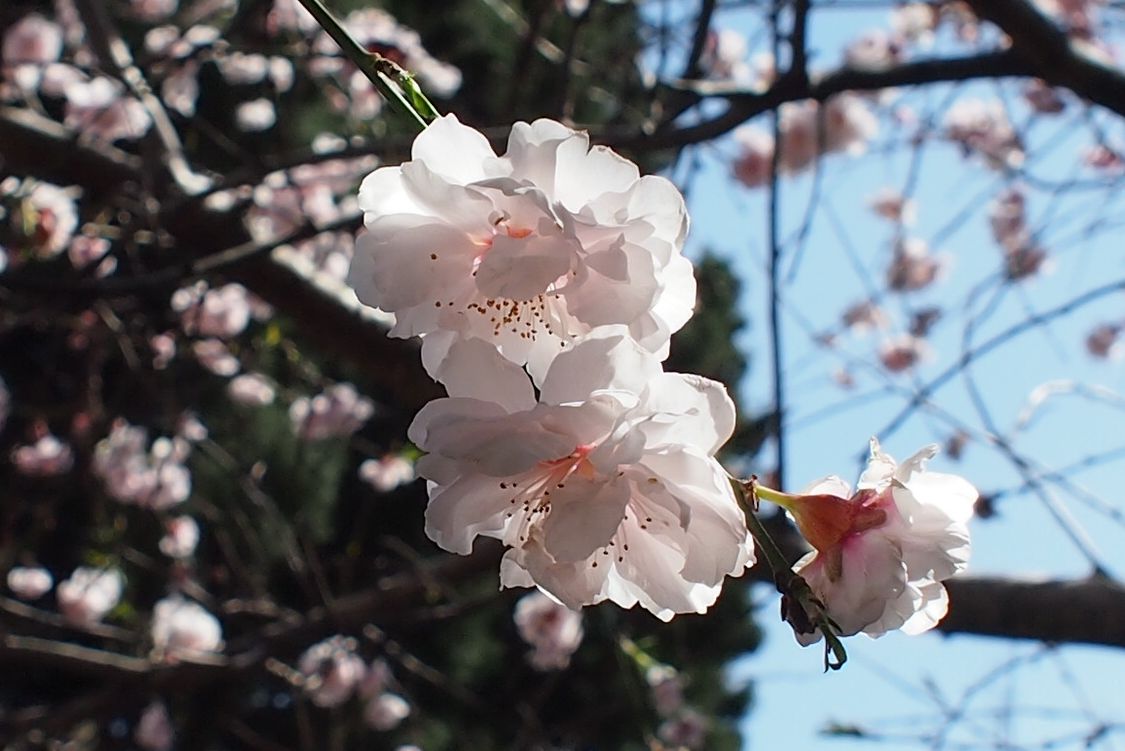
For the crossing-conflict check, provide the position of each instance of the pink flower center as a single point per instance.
(532, 496)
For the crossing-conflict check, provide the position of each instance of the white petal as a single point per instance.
(584, 515)
(933, 605)
(473, 505)
(831, 485)
(474, 368)
(522, 269)
(453, 150)
(697, 411)
(608, 360)
(396, 270)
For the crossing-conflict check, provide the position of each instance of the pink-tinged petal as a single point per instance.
(425, 431)
(652, 569)
(606, 360)
(574, 584)
(831, 485)
(675, 303)
(452, 150)
(931, 605)
(601, 301)
(422, 263)
(880, 469)
(659, 203)
(471, 506)
(951, 496)
(384, 192)
(534, 150)
(501, 447)
(695, 411)
(523, 268)
(870, 574)
(584, 515)
(935, 548)
(463, 207)
(714, 528)
(612, 262)
(512, 574)
(437, 470)
(474, 368)
(598, 172)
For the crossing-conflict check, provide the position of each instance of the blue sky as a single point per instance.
(1050, 693)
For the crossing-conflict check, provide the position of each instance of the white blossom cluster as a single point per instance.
(592, 465)
(332, 673)
(137, 474)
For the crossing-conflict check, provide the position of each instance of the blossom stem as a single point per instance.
(761, 492)
(397, 86)
(788, 583)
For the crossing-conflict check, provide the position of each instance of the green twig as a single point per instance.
(396, 85)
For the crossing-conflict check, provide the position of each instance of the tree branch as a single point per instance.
(1087, 611)
(1049, 53)
(744, 105)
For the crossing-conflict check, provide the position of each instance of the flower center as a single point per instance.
(531, 497)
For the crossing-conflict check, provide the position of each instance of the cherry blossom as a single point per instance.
(154, 731)
(215, 356)
(528, 250)
(385, 711)
(332, 671)
(47, 215)
(47, 457)
(874, 50)
(1104, 341)
(848, 124)
(915, 22)
(913, 267)
(604, 489)
(983, 126)
(337, 412)
(893, 206)
(903, 352)
(754, 163)
(291, 16)
(223, 312)
(1008, 219)
(1042, 98)
(881, 553)
(865, 316)
(30, 582)
(99, 108)
(1102, 157)
(89, 594)
(134, 473)
(726, 57)
(28, 46)
(85, 250)
(152, 11)
(387, 473)
(251, 390)
(553, 630)
(255, 115)
(181, 535)
(182, 628)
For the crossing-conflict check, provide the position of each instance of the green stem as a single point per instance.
(747, 494)
(771, 495)
(787, 582)
(396, 85)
